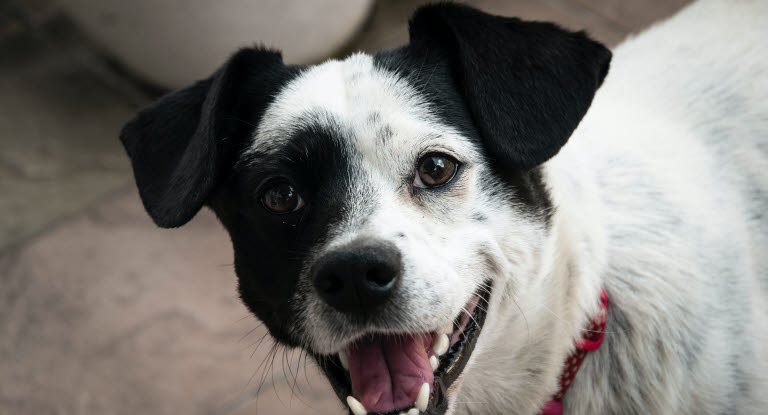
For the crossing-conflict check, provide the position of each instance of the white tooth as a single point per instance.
(356, 407)
(413, 411)
(441, 345)
(344, 358)
(434, 362)
(422, 399)
(447, 329)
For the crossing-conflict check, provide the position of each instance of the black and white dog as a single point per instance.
(416, 222)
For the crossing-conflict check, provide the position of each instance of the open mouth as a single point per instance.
(407, 373)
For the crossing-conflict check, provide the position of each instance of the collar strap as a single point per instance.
(591, 341)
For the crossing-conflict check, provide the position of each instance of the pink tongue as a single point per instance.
(388, 371)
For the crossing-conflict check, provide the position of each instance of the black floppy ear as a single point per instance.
(181, 145)
(527, 84)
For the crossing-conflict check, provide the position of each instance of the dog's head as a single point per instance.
(377, 204)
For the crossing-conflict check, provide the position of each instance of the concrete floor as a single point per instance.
(100, 311)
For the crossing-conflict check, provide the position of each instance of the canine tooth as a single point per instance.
(447, 329)
(356, 407)
(413, 411)
(434, 362)
(344, 359)
(422, 399)
(441, 345)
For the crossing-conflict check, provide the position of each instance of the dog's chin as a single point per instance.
(386, 373)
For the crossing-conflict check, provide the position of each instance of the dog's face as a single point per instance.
(377, 205)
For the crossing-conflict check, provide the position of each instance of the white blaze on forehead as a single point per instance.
(350, 92)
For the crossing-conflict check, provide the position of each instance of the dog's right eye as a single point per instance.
(434, 170)
(281, 197)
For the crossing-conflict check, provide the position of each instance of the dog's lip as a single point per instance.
(451, 364)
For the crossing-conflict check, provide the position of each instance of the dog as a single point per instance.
(437, 225)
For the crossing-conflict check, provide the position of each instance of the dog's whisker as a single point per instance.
(306, 372)
(242, 318)
(250, 332)
(464, 310)
(292, 382)
(296, 384)
(259, 367)
(257, 343)
(478, 306)
(271, 372)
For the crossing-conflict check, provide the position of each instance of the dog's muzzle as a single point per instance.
(390, 373)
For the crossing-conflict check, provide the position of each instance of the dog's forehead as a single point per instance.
(376, 107)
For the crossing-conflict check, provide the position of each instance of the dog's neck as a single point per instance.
(578, 233)
(528, 341)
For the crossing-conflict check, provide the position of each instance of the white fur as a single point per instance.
(659, 198)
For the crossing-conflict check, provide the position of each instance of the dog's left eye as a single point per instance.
(435, 170)
(281, 197)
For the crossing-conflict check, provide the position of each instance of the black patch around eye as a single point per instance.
(280, 197)
(271, 250)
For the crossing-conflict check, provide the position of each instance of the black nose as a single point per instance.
(359, 277)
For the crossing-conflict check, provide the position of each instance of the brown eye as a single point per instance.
(281, 197)
(434, 170)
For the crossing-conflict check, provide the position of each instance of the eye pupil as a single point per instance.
(435, 170)
(280, 198)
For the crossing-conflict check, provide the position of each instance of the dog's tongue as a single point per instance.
(388, 371)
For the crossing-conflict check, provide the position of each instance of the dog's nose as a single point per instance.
(359, 277)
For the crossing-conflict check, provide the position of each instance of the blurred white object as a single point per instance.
(175, 42)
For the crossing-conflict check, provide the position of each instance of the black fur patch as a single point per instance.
(270, 250)
(182, 145)
(518, 88)
(527, 84)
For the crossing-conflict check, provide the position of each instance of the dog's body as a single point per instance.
(658, 198)
(661, 195)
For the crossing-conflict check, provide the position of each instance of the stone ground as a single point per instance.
(100, 311)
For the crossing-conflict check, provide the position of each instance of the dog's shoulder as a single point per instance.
(676, 145)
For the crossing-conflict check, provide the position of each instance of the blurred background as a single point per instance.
(100, 311)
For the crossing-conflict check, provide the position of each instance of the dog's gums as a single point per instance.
(398, 373)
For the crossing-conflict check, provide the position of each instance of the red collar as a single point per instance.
(593, 338)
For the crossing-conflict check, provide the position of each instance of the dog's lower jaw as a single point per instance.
(352, 370)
